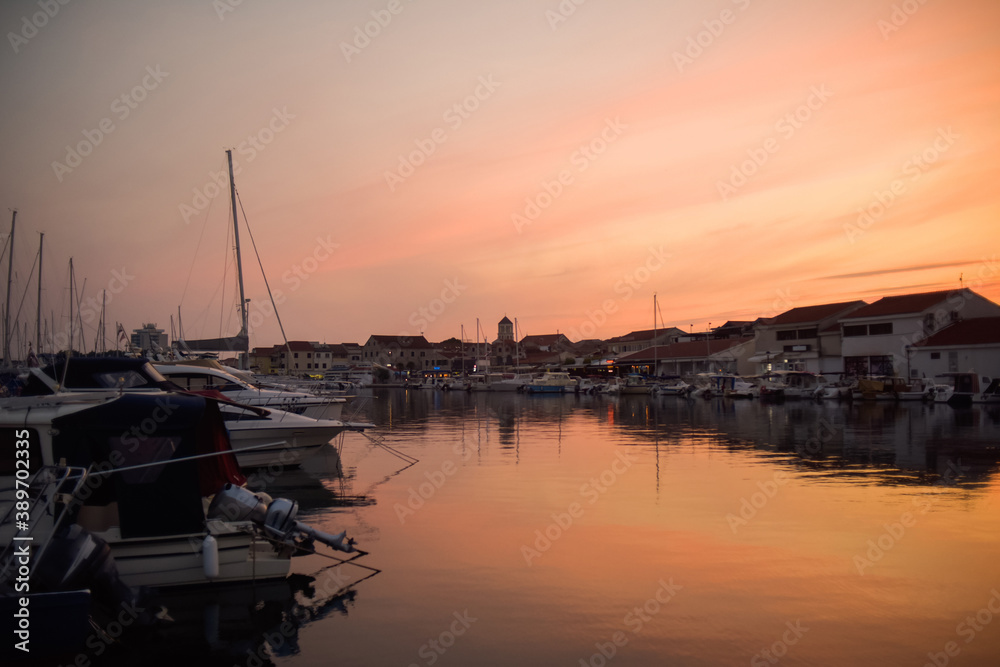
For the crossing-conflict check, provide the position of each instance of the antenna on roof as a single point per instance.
(961, 285)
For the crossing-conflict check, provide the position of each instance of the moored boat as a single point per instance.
(551, 382)
(149, 464)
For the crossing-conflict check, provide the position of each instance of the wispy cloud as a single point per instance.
(903, 269)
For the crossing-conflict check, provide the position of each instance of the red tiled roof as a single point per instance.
(403, 342)
(806, 314)
(695, 349)
(542, 340)
(644, 334)
(977, 331)
(903, 305)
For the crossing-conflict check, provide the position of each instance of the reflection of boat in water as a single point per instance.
(244, 625)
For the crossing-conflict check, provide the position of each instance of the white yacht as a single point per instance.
(203, 374)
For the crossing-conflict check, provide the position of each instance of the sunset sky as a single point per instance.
(407, 166)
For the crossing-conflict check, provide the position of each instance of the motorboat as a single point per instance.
(156, 480)
(551, 382)
(960, 389)
(631, 384)
(261, 437)
(674, 387)
(202, 374)
(513, 382)
(792, 384)
(992, 393)
(880, 388)
(838, 390)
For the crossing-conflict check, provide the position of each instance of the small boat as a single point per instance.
(958, 389)
(513, 382)
(918, 389)
(632, 384)
(734, 386)
(551, 382)
(838, 390)
(674, 387)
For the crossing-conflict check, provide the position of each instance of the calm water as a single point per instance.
(629, 531)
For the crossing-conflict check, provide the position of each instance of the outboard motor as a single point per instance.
(276, 517)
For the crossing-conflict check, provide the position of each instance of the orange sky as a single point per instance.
(717, 154)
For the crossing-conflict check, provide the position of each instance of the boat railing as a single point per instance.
(50, 488)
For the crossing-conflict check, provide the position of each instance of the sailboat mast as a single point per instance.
(517, 348)
(654, 335)
(239, 261)
(10, 279)
(72, 292)
(38, 322)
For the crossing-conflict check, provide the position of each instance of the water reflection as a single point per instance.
(864, 442)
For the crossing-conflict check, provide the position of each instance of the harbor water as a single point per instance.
(592, 530)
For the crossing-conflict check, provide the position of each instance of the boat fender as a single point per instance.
(210, 557)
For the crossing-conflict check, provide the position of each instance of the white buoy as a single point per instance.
(210, 557)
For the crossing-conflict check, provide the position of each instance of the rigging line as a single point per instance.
(225, 272)
(274, 306)
(31, 273)
(662, 321)
(194, 257)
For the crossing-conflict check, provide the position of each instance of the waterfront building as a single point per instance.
(806, 338)
(878, 337)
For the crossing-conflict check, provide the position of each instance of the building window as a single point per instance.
(882, 365)
(881, 329)
(856, 366)
(935, 355)
(296, 356)
(953, 361)
(855, 330)
(787, 335)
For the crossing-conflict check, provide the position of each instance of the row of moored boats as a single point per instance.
(953, 388)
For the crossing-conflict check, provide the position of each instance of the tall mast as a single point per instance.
(38, 323)
(654, 334)
(10, 279)
(72, 292)
(517, 348)
(239, 261)
(103, 348)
